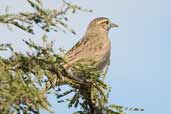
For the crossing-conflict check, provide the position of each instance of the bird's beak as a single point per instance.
(113, 25)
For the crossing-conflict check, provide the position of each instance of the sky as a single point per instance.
(140, 68)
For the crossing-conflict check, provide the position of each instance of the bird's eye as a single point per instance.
(107, 22)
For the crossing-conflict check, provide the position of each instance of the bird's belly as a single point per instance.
(103, 59)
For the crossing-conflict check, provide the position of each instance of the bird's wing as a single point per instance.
(81, 50)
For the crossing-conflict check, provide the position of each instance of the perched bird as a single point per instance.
(94, 48)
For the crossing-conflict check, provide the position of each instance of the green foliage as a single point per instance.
(21, 77)
(26, 79)
(46, 19)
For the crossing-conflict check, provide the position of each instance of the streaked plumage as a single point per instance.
(94, 48)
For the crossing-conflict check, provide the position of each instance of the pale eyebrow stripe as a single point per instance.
(104, 20)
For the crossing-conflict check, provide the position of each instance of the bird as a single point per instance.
(94, 47)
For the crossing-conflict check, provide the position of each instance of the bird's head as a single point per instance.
(102, 23)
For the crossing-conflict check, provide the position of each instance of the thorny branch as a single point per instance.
(46, 19)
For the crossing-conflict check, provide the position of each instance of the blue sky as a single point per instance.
(140, 70)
